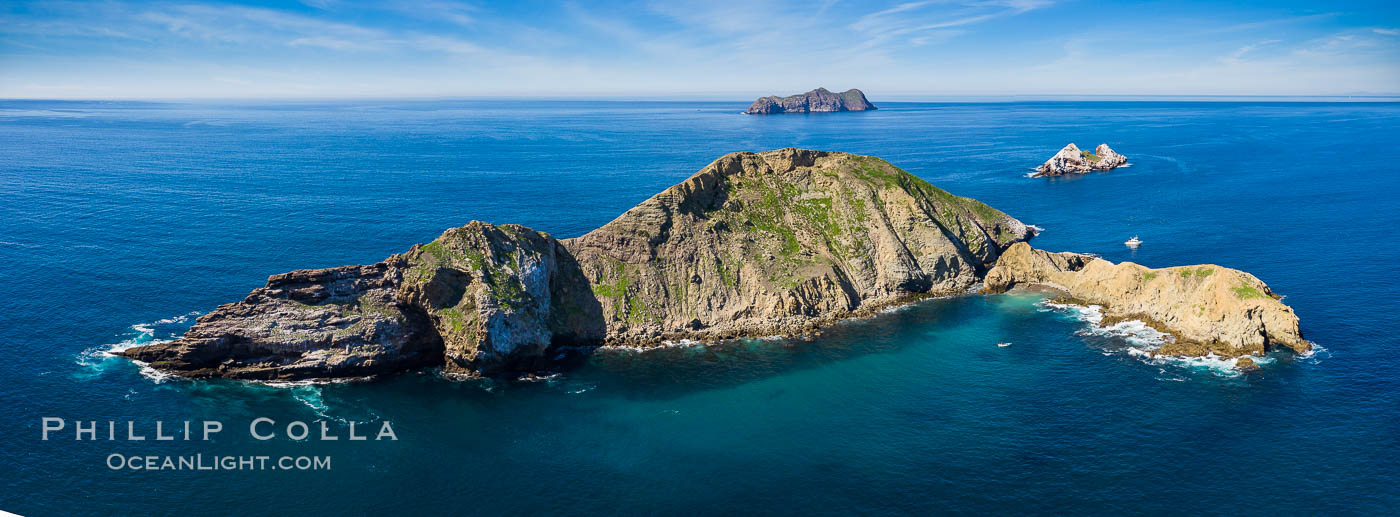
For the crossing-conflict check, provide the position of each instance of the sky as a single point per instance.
(712, 49)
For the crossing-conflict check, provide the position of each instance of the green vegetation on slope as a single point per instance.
(455, 249)
(625, 304)
(1200, 272)
(1246, 291)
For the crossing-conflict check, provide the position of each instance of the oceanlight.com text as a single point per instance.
(202, 462)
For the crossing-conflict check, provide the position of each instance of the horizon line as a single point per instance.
(714, 98)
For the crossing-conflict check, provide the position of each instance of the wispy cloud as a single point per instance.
(325, 42)
(1346, 44)
(911, 18)
(448, 45)
(458, 13)
(880, 19)
(249, 25)
(1387, 32)
(1074, 55)
(1238, 54)
(1272, 22)
(935, 37)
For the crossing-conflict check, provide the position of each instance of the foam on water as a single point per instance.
(683, 343)
(1140, 341)
(310, 382)
(94, 361)
(1316, 354)
(1222, 366)
(313, 398)
(579, 387)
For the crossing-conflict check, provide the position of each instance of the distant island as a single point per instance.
(819, 100)
(1071, 160)
(779, 243)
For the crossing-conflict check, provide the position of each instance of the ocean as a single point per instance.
(120, 222)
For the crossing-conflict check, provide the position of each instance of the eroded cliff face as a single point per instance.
(1208, 308)
(1071, 160)
(782, 242)
(316, 323)
(499, 297)
(819, 100)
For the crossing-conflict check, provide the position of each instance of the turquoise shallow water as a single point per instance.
(123, 220)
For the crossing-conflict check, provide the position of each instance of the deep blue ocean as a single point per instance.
(121, 221)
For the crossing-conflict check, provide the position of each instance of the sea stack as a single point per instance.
(1071, 160)
(819, 100)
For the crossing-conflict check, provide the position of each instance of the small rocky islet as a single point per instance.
(779, 243)
(1208, 309)
(819, 100)
(1071, 160)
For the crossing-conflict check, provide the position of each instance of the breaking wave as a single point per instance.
(683, 343)
(1137, 340)
(94, 361)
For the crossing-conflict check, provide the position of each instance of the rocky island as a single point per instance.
(778, 243)
(1071, 160)
(819, 100)
(1207, 309)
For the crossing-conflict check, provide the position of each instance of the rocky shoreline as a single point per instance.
(1208, 309)
(780, 243)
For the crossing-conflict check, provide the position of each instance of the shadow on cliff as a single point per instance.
(575, 319)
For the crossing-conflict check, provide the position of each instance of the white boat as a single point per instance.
(1133, 242)
(1003, 344)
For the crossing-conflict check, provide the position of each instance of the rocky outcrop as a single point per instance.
(500, 297)
(316, 323)
(1207, 308)
(479, 300)
(1071, 160)
(780, 242)
(819, 100)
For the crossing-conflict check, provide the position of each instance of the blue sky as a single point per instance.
(711, 49)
